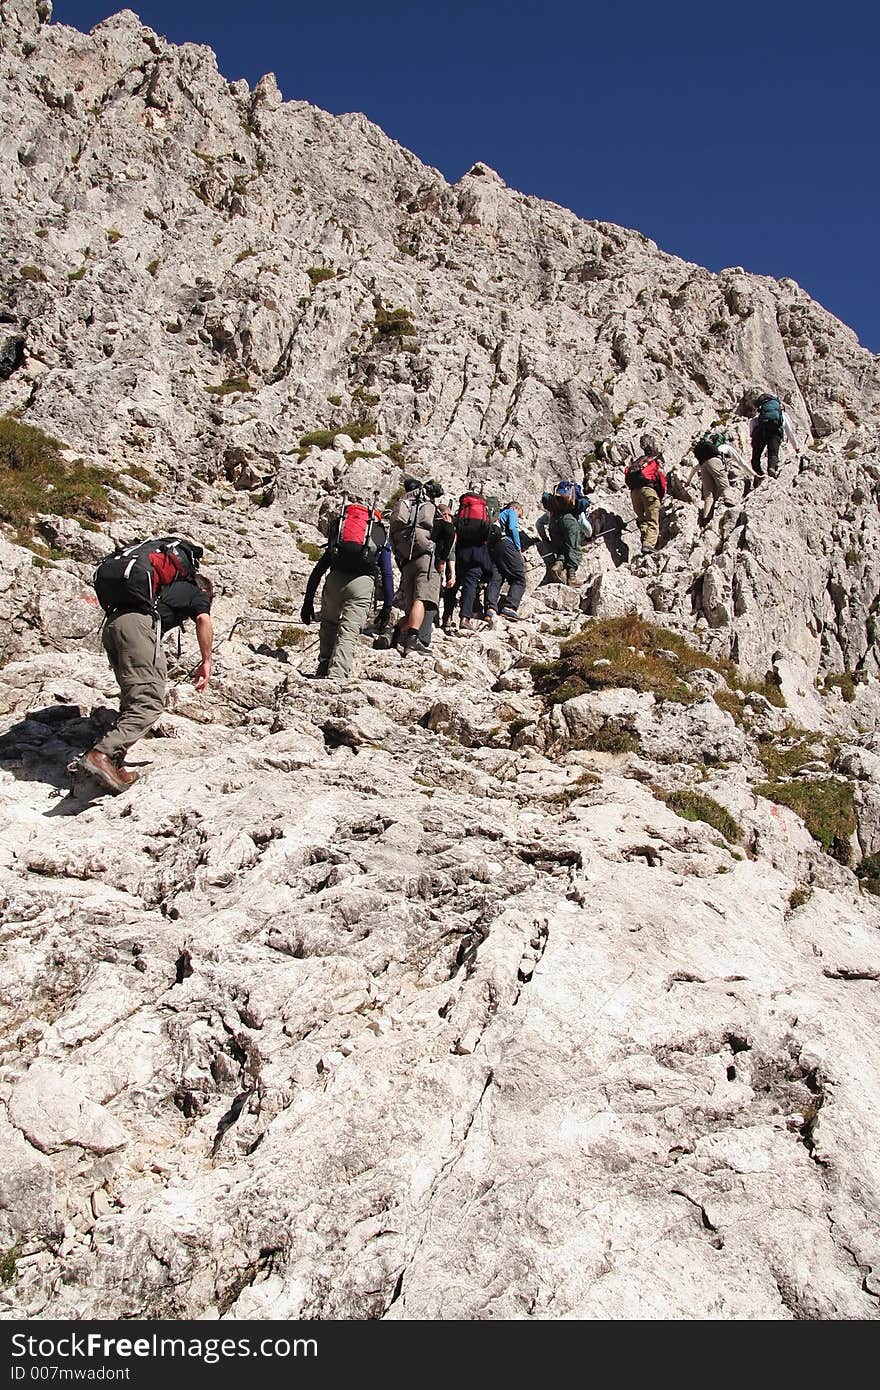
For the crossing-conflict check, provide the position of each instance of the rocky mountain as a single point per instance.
(526, 980)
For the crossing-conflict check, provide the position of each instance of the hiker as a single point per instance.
(421, 539)
(565, 530)
(509, 519)
(768, 427)
(711, 451)
(473, 564)
(646, 480)
(146, 589)
(508, 567)
(357, 548)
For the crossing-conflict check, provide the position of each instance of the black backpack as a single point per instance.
(130, 580)
(709, 445)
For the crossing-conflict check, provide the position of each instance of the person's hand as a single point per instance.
(307, 614)
(202, 674)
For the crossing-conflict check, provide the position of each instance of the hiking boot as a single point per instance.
(510, 613)
(489, 617)
(556, 573)
(129, 778)
(468, 625)
(410, 643)
(105, 771)
(571, 579)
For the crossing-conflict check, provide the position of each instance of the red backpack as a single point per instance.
(472, 519)
(358, 538)
(646, 472)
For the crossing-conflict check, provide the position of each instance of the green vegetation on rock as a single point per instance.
(611, 653)
(826, 807)
(696, 806)
(35, 477)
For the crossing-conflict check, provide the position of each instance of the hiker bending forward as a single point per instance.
(421, 539)
(133, 642)
(357, 548)
(646, 481)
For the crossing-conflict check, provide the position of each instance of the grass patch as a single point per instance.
(584, 784)
(639, 656)
(243, 255)
(845, 682)
(825, 805)
(77, 274)
(31, 272)
(34, 477)
(393, 325)
(230, 385)
(113, 235)
(798, 897)
(143, 475)
(334, 400)
(152, 267)
(292, 637)
(868, 874)
(8, 1260)
(784, 755)
(323, 439)
(310, 549)
(318, 273)
(696, 806)
(612, 741)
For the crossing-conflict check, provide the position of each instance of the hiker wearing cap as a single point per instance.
(356, 550)
(713, 451)
(566, 530)
(646, 479)
(421, 539)
(146, 589)
(768, 427)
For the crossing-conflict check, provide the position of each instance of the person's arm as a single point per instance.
(789, 434)
(205, 636)
(729, 452)
(307, 612)
(541, 527)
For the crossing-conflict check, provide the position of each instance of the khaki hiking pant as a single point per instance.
(646, 505)
(715, 486)
(139, 667)
(345, 606)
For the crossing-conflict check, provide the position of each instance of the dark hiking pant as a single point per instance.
(473, 568)
(507, 567)
(766, 437)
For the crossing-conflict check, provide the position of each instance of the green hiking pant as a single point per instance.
(130, 643)
(345, 604)
(565, 536)
(646, 505)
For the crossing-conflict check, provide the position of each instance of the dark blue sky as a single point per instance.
(740, 134)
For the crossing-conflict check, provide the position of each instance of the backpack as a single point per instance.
(646, 472)
(357, 538)
(472, 522)
(770, 411)
(412, 526)
(130, 580)
(709, 445)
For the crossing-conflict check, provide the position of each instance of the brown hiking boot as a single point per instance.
(105, 771)
(129, 778)
(571, 579)
(556, 573)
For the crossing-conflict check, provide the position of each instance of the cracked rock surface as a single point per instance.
(410, 996)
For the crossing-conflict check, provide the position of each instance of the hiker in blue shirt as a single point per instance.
(508, 520)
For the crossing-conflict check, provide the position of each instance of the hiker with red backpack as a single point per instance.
(145, 589)
(356, 550)
(646, 479)
(768, 427)
(473, 563)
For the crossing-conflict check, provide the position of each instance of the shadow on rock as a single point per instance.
(39, 747)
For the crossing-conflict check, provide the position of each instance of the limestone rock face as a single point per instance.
(417, 995)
